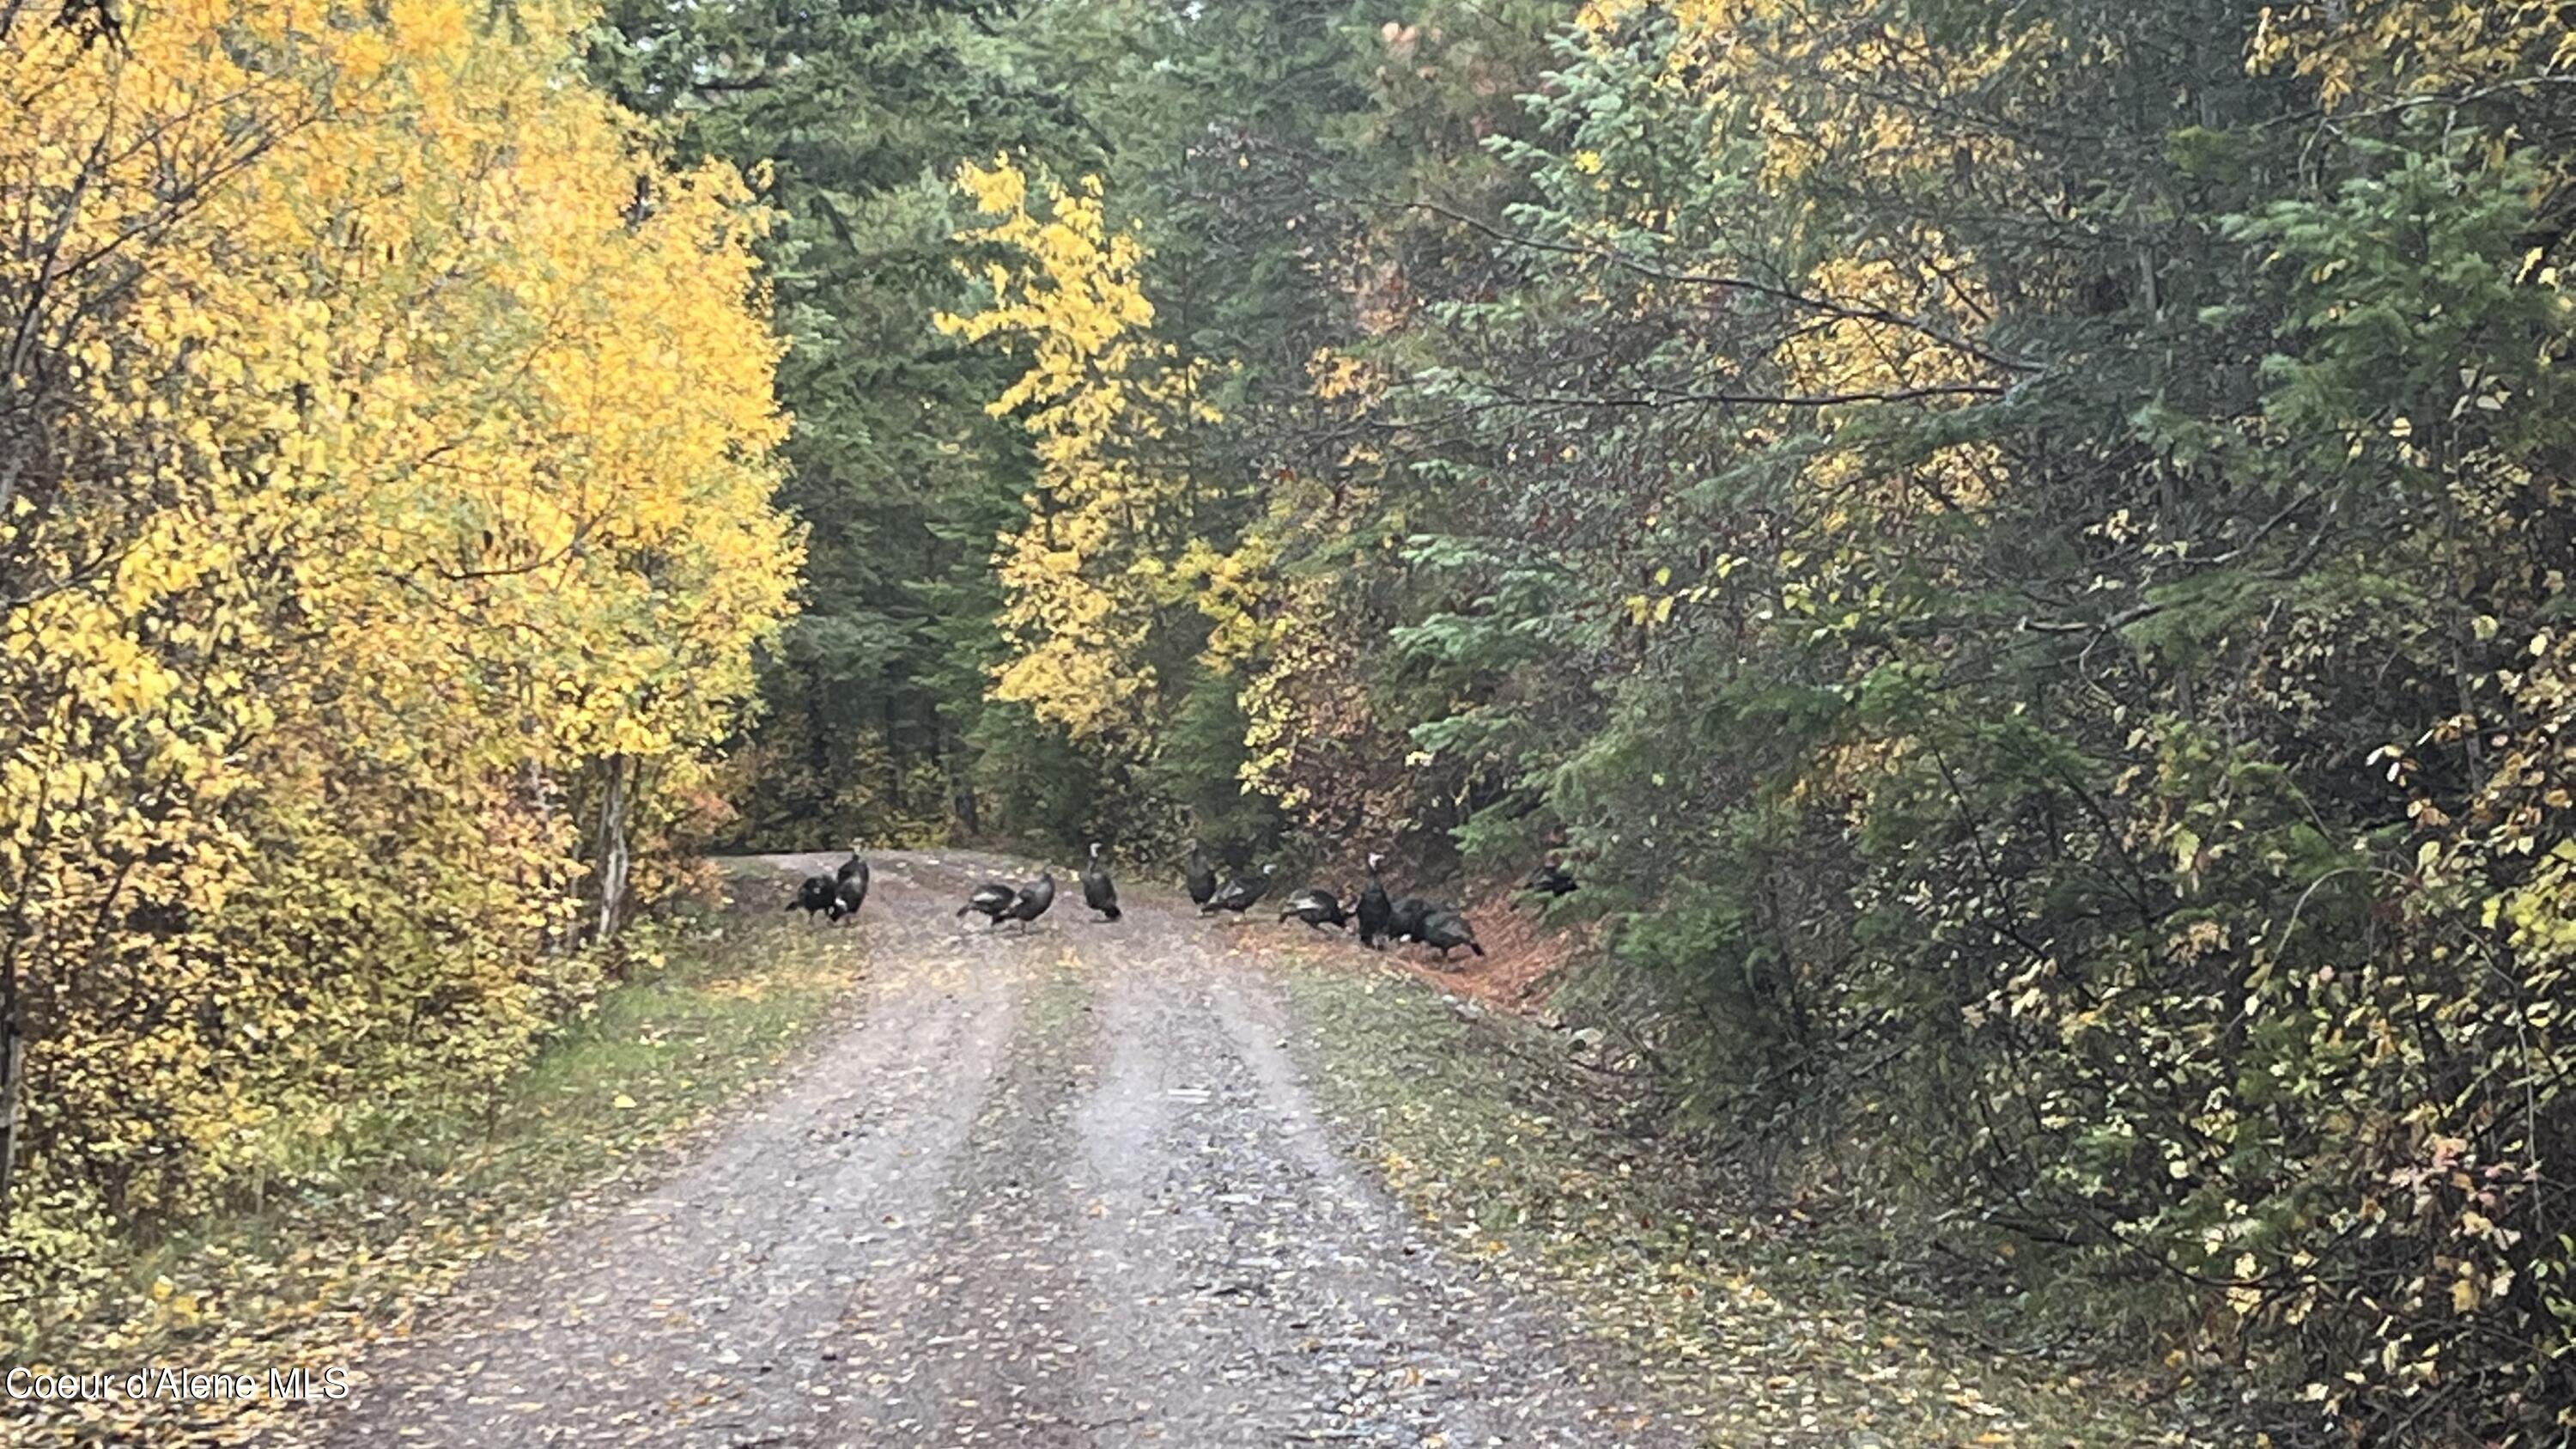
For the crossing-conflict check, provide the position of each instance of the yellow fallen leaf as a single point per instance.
(621, 1101)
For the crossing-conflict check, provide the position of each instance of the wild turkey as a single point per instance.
(852, 892)
(1200, 877)
(1098, 892)
(1033, 899)
(1317, 908)
(1551, 879)
(1240, 893)
(1376, 911)
(991, 900)
(814, 897)
(1448, 930)
(1404, 920)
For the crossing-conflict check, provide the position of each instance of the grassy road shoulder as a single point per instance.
(346, 1252)
(1766, 1331)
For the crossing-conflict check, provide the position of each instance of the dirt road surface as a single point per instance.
(1062, 1188)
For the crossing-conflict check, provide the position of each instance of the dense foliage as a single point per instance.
(2020, 547)
(384, 538)
(2062, 511)
(853, 115)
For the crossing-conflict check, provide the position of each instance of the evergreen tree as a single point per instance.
(858, 115)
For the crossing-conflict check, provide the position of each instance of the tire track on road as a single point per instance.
(1062, 1189)
(706, 1311)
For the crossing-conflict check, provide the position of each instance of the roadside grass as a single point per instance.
(1766, 1328)
(414, 1197)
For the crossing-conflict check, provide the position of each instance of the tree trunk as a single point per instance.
(890, 721)
(961, 792)
(819, 757)
(615, 866)
(13, 1075)
(561, 934)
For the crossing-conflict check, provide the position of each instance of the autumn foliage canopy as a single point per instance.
(385, 463)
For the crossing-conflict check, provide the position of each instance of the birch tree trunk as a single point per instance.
(13, 1076)
(614, 862)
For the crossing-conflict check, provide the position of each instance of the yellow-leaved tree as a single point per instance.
(385, 532)
(1111, 556)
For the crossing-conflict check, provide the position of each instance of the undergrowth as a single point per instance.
(412, 1195)
(1771, 1316)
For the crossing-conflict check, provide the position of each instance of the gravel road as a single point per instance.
(1065, 1188)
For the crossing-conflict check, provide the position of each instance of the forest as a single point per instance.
(2017, 550)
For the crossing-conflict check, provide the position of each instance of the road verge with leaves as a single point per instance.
(1768, 1326)
(348, 1251)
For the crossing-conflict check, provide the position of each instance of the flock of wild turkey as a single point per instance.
(1380, 919)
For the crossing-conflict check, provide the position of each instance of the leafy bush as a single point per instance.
(384, 539)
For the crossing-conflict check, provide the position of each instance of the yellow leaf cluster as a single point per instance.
(2366, 51)
(389, 444)
(1109, 544)
(1885, 316)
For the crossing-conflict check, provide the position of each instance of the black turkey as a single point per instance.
(1033, 899)
(856, 865)
(1098, 891)
(1317, 908)
(1552, 879)
(1404, 919)
(1240, 893)
(1447, 930)
(1200, 877)
(852, 892)
(1376, 912)
(991, 900)
(814, 897)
